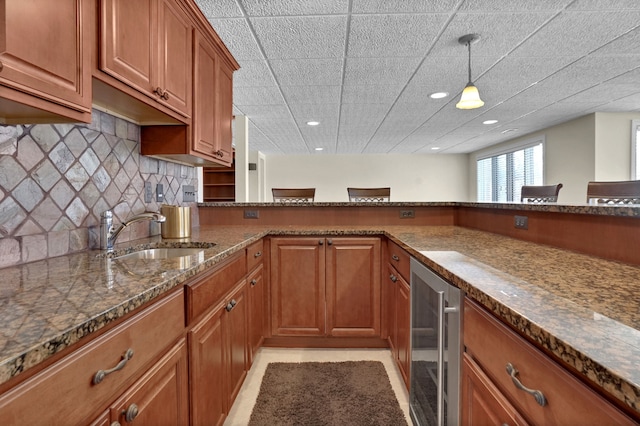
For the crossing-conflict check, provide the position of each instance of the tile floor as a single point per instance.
(242, 407)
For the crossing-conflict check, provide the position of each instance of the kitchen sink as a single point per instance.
(160, 253)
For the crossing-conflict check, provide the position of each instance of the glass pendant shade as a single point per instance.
(470, 98)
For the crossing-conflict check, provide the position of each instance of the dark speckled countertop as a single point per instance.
(582, 309)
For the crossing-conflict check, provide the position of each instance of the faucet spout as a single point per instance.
(109, 233)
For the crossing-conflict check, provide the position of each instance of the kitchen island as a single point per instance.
(580, 309)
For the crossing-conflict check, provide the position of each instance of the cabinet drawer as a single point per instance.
(204, 292)
(64, 393)
(255, 253)
(400, 260)
(493, 345)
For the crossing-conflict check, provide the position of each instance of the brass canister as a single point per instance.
(177, 223)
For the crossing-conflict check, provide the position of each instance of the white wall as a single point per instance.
(613, 145)
(569, 157)
(412, 177)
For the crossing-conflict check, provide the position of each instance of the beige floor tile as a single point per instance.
(242, 407)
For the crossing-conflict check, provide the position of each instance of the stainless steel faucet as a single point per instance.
(109, 233)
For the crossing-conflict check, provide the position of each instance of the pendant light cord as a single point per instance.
(469, 46)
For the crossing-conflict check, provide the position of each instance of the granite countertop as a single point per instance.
(582, 309)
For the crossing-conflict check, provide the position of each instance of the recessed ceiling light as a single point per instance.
(319, 149)
(312, 123)
(439, 95)
(489, 121)
(435, 148)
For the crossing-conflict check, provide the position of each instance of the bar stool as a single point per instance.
(372, 195)
(293, 195)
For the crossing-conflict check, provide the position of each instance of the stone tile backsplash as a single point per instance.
(56, 180)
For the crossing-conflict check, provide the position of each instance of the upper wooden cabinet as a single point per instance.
(45, 81)
(146, 44)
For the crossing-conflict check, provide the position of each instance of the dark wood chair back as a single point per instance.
(293, 195)
(614, 192)
(540, 193)
(373, 195)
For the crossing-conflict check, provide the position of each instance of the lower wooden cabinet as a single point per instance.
(491, 346)
(325, 286)
(403, 329)
(257, 296)
(484, 405)
(218, 358)
(159, 398)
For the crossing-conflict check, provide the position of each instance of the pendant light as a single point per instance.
(470, 98)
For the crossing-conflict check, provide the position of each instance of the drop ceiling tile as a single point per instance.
(371, 94)
(366, 116)
(626, 44)
(324, 113)
(298, 7)
(403, 6)
(261, 95)
(393, 35)
(312, 72)
(312, 94)
(253, 73)
(301, 37)
(513, 6)
(571, 34)
(377, 71)
(237, 36)
(266, 111)
(629, 103)
(602, 93)
(603, 5)
(219, 8)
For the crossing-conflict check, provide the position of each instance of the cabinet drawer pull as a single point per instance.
(320, 242)
(254, 282)
(158, 91)
(258, 254)
(165, 95)
(393, 278)
(537, 395)
(131, 413)
(101, 374)
(231, 305)
(330, 241)
(396, 258)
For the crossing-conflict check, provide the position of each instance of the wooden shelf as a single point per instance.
(219, 184)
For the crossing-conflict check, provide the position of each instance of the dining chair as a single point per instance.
(293, 195)
(372, 195)
(613, 192)
(540, 193)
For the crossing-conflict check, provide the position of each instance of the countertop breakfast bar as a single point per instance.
(581, 309)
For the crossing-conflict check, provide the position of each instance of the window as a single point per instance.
(502, 174)
(635, 148)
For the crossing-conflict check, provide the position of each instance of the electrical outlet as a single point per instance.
(188, 193)
(406, 214)
(148, 192)
(522, 222)
(251, 214)
(159, 193)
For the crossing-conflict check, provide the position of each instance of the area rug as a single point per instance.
(326, 394)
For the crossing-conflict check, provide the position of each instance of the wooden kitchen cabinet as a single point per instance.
(218, 339)
(325, 286)
(45, 82)
(146, 44)
(491, 346)
(67, 392)
(397, 305)
(159, 398)
(257, 295)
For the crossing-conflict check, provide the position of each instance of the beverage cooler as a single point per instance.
(436, 336)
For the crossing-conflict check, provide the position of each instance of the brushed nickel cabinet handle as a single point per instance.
(158, 91)
(130, 413)
(320, 242)
(101, 374)
(330, 242)
(537, 395)
(254, 282)
(165, 95)
(393, 278)
(257, 254)
(231, 305)
(396, 258)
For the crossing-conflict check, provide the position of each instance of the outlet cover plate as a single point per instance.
(148, 192)
(521, 222)
(251, 214)
(407, 214)
(159, 193)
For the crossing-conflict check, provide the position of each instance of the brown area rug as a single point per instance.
(326, 393)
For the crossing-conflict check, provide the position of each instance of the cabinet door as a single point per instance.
(128, 42)
(45, 51)
(298, 286)
(403, 328)
(205, 64)
(224, 113)
(235, 327)
(353, 286)
(256, 311)
(174, 56)
(161, 396)
(207, 372)
(482, 402)
(389, 292)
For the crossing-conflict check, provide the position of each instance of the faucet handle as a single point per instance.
(107, 214)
